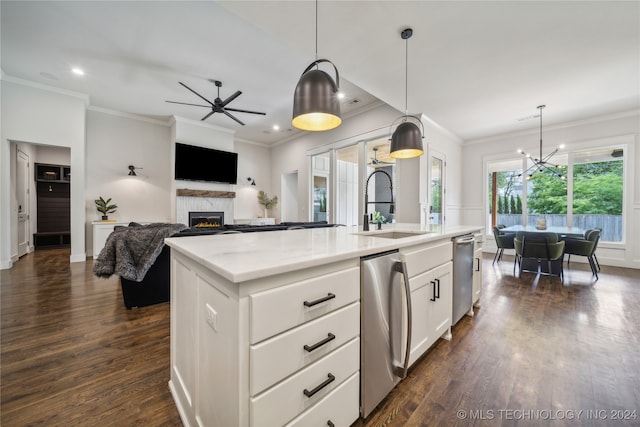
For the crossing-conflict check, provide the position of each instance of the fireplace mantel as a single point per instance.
(184, 192)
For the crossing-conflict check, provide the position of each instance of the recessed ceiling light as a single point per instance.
(276, 127)
(340, 95)
(77, 71)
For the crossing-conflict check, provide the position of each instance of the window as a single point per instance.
(347, 185)
(320, 173)
(505, 193)
(592, 196)
(597, 192)
(547, 195)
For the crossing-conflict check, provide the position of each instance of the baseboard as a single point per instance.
(6, 264)
(78, 257)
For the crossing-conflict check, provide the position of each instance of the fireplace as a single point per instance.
(206, 219)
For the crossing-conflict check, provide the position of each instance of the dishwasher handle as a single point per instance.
(464, 240)
(401, 267)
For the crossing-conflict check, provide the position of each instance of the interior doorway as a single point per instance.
(22, 195)
(289, 196)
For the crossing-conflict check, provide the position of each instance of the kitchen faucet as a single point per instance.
(365, 224)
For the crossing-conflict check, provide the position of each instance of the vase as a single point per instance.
(105, 217)
(266, 213)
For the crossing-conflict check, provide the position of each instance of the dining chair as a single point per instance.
(584, 247)
(535, 250)
(504, 241)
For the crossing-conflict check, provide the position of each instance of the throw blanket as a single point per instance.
(130, 251)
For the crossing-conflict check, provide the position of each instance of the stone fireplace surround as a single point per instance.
(203, 201)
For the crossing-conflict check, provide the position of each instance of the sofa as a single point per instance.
(154, 288)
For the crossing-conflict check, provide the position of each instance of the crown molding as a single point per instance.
(29, 83)
(558, 126)
(177, 119)
(131, 116)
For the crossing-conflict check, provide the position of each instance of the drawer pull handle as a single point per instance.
(329, 380)
(330, 424)
(310, 348)
(319, 300)
(433, 298)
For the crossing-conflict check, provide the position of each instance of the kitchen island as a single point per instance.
(265, 327)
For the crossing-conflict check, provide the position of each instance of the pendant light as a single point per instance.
(406, 140)
(316, 106)
(542, 164)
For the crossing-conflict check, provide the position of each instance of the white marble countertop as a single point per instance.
(247, 256)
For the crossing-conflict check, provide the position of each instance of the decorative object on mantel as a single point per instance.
(184, 192)
(105, 208)
(406, 140)
(541, 163)
(266, 202)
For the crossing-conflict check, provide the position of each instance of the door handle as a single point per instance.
(401, 267)
(433, 298)
(438, 282)
(478, 264)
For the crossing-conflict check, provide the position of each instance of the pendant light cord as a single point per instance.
(406, 77)
(316, 30)
(540, 107)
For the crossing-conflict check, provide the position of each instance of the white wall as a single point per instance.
(115, 141)
(574, 135)
(36, 114)
(254, 160)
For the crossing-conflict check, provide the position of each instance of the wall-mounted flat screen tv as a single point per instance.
(205, 164)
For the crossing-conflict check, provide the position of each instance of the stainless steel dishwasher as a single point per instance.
(385, 308)
(462, 276)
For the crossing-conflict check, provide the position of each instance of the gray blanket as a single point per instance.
(130, 251)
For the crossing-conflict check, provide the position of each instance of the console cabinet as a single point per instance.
(283, 350)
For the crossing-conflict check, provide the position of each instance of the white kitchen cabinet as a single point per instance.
(477, 269)
(243, 354)
(430, 271)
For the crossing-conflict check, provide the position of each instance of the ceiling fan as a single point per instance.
(375, 161)
(218, 105)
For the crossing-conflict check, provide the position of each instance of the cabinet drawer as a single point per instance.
(340, 407)
(279, 309)
(426, 258)
(285, 401)
(276, 358)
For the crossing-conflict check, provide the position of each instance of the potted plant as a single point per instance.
(267, 202)
(378, 218)
(105, 208)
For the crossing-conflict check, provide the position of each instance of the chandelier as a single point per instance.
(542, 164)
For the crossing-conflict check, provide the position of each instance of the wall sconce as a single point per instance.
(253, 181)
(132, 170)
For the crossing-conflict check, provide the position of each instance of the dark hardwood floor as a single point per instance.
(536, 353)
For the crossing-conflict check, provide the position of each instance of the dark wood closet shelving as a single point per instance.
(54, 205)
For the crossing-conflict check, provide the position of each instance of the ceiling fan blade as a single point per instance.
(188, 88)
(185, 103)
(233, 118)
(231, 98)
(207, 116)
(245, 111)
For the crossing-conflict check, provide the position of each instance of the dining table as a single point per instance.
(558, 229)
